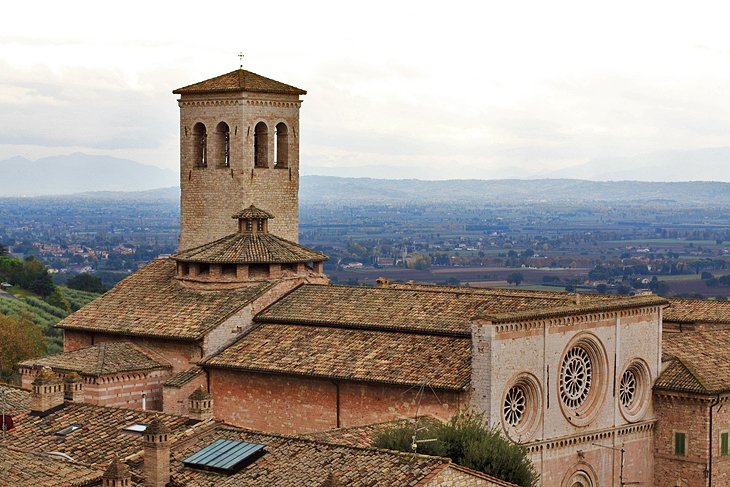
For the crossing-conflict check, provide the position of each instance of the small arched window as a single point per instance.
(261, 145)
(200, 145)
(282, 145)
(223, 144)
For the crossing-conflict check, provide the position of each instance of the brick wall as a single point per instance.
(210, 195)
(118, 390)
(688, 415)
(691, 415)
(294, 405)
(175, 399)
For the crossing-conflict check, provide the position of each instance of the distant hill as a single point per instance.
(328, 189)
(671, 165)
(77, 173)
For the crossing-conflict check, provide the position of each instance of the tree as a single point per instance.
(86, 282)
(468, 442)
(515, 278)
(20, 340)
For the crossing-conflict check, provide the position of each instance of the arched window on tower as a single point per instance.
(223, 144)
(261, 145)
(282, 145)
(200, 145)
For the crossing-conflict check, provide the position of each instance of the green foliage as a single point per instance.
(467, 441)
(515, 278)
(30, 274)
(77, 299)
(86, 282)
(20, 340)
(58, 300)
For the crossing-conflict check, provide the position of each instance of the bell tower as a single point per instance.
(239, 145)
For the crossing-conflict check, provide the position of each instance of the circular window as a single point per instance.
(576, 374)
(521, 405)
(633, 390)
(514, 406)
(582, 379)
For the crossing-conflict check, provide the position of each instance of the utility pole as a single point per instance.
(622, 483)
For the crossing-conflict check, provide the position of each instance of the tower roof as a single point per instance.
(253, 213)
(250, 248)
(238, 81)
(117, 470)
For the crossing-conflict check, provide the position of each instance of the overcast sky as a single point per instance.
(422, 89)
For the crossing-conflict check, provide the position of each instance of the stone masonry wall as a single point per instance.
(175, 399)
(211, 195)
(294, 405)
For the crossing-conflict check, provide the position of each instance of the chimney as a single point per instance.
(117, 475)
(156, 454)
(47, 392)
(382, 282)
(73, 387)
(200, 405)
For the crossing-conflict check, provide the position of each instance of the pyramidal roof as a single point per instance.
(251, 247)
(238, 81)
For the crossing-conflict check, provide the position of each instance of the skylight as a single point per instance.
(226, 456)
(68, 430)
(135, 428)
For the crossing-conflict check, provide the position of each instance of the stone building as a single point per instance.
(247, 313)
(110, 374)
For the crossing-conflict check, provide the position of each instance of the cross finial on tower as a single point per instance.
(240, 57)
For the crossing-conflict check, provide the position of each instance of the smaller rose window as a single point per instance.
(627, 388)
(514, 405)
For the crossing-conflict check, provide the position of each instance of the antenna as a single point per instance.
(240, 58)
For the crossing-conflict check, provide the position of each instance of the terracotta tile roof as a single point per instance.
(102, 359)
(682, 310)
(16, 399)
(350, 354)
(253, 213)
(32, 469)
(364, 436)
(238, 81)
(295, 462)
(151, 302)
(431, 309)
(248, 248)
(182, 378)
(101, 434)
(700, 362)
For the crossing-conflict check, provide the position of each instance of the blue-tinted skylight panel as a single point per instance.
(224, 455)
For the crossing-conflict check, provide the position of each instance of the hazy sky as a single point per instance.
(420, 89)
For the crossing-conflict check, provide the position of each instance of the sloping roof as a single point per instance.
(364, 436)
(294, 462)
(238, 81)
(350, 354)
(20, 468)
(700, 362)
(182, 378)
(683, 310)
(102, 359)
(250, 248)
(430, 309)
(253, 213)
(16, 399)
(101, 434)
(151, 302)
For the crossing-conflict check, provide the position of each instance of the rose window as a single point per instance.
(514, 406)
(627, 388)
(576, 374)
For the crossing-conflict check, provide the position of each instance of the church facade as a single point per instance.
(246, 312)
